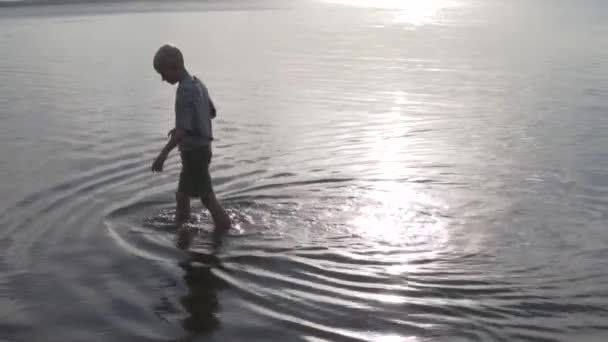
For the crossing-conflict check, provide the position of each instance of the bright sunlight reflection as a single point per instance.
(415, 12)
(397, 216)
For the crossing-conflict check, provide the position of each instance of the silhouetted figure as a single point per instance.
(193, 134)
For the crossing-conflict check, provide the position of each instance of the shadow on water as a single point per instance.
(201, 302)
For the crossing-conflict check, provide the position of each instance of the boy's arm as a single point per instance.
(175, 136)
(184, 112)
(174, 139)
(212, 109)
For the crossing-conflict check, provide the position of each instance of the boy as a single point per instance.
(192, 133)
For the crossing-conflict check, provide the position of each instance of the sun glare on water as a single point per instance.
(415, 12)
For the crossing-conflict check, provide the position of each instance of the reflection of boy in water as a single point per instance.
(201, 302)
(193, 134)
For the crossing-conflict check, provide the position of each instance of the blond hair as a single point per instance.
(168, 56)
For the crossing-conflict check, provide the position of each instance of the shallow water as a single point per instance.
(396, 173)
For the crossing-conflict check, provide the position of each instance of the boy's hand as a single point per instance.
(157, 165)
(175, 135)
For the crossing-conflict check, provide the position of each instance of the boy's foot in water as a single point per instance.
(185, 236)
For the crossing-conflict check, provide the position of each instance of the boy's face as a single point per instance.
(168, 74)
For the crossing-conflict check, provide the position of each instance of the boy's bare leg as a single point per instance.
(182, 209)
(182, 215)
(219, 215)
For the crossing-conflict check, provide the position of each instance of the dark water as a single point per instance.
(406, 173)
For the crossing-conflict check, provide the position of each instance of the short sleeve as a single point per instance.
(184, 110)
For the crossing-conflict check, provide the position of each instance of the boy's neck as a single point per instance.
(183, 75)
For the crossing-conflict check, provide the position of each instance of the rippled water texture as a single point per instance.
(397, 171)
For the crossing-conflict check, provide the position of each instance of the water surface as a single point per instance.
(396, 172)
